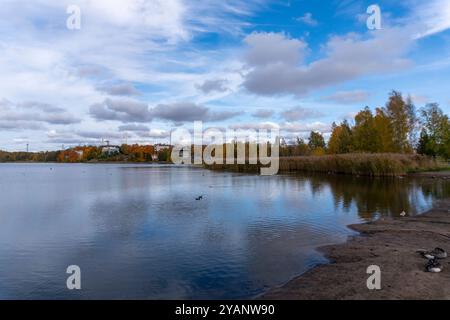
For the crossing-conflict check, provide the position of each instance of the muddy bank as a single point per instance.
(390, 243)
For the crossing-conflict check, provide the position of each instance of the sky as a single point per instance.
(137, 69)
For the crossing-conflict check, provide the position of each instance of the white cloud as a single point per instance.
(432, 17)
(293, 127)
(300, 113)
(263, 113)
(274, 48)
(348, 97)
(219, 85)
(347, 58)
(308, 19)
(123, 89)
(154, 134)
(30, 114)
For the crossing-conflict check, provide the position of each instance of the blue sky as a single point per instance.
(139, 68)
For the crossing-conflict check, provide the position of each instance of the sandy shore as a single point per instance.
(390, 244)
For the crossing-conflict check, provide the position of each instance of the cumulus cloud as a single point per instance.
(300, 113)
(28, 115)
(45, 107)
(276, 61)
(306, 127)
(308, 19)
(210, 86)
(20, 125)
(255, 126)
(70, 141)
(222, 115)
(133, 111)
(348, 97)
(133, 127)
(180, 112)
(272, 49)
(286, 127)
(97, 135)
(154, 134)
(263, 113)
(121, 110)
(79, 137)
(124, 89)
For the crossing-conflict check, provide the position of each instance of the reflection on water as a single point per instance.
(138, 232)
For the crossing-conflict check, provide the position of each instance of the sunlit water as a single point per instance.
(138, 232)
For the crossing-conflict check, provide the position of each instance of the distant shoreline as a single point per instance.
(369, 165)
(88, 162)
(391, 244)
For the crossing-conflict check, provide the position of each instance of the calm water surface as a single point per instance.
(138, 232)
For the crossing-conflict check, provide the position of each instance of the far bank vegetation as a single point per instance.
(393, 140)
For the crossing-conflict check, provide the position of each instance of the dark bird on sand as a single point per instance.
(437, 253)
(434, 266)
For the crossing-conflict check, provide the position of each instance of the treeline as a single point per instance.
(396, 128)
(125, 153)
(28, 156)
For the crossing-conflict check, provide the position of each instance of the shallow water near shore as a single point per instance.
(136, 231)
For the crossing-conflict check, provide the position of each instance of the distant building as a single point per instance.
(160, 147)
(110, 150)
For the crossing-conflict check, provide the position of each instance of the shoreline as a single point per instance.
(391, 244)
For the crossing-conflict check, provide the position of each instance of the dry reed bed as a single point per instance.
(354, 164)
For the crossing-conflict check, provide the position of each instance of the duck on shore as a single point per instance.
(434, 266)
(437, 253)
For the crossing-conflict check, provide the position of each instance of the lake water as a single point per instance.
(138, 232)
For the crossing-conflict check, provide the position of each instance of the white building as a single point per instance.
(111, 150)
(160, 147)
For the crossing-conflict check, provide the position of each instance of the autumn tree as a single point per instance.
(365, 138)
(401, 116)
(383, 132)
(341, 139)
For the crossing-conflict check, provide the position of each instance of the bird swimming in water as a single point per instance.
(437, 253)
(434, 266)
(199, 198)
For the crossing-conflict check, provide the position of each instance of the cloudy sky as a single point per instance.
(139, 68)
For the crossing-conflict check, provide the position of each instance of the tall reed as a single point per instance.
(355, 164)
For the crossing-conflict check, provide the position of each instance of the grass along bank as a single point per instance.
(363, 164)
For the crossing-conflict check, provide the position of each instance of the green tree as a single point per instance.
(365, 138)
(435, 137)
(424, 143)
(316, 141)
(301, 148)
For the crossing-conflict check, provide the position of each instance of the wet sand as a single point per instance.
(391, 244)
